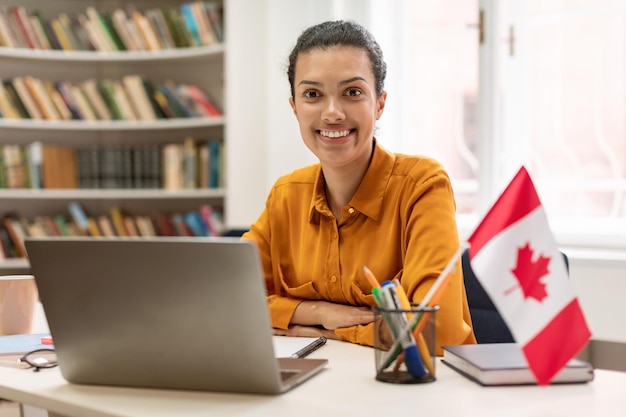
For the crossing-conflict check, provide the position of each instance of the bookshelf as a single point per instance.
(199, 65)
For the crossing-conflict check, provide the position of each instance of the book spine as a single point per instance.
(18, 13)
(26, 98)
(6, 35)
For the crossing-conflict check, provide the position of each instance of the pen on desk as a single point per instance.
(310, 348)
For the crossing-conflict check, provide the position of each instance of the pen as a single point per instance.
(378, 298)
(419, 337)
(428, 301)
(370, 277)
(397, 324)
(310, 348)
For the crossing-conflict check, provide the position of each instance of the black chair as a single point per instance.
(489, 327)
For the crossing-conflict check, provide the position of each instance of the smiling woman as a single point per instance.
(359, 204)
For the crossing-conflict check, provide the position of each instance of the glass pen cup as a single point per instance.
(405, 344)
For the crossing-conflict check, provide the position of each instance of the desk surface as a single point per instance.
(346, 387)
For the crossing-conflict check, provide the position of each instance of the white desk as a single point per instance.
(345, 388)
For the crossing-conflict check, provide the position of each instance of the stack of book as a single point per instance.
(205, 221)
(192, 24)
(190, 164)
(133, 97)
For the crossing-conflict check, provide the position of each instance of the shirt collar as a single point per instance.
(368, 198)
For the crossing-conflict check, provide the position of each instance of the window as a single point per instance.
(544, 89)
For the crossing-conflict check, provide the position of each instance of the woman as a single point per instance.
(360, 205)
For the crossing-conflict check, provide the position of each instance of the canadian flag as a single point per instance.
(516, 260)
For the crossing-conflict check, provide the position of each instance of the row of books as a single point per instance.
(190, 164)
(196, 23)
(133, 97)
(205, 221)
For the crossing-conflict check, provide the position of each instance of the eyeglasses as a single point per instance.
(39, 359)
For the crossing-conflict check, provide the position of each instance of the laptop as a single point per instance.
(173, 313)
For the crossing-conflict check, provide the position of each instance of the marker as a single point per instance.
(428, 301)
(419, 337)
(378, 297)
(398, 325)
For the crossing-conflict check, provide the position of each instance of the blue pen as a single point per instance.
(397, 323)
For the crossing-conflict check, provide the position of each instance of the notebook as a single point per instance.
(174, 313)
(504, 364)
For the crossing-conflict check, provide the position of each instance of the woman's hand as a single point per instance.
(297, 330)
(331, 315)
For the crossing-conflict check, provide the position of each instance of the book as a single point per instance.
(23, 343)
(14, 166)
(79, 97)
(138, 97)
(36, 22)
(214, 11)
(504, 364)
(57, 100)
(26, 98)
(8, 109)
(38, 92)
(106, 226)
(65, 89)
(92, 92)
(16, 33)
(17, 234)
(79, 215)
(157, 20)
(173, 156)
(34, 162)
(191, 24)
(120, 23)
(117, 217)
(18, 13)
(177, 27)
(123, 101)
(205, 28)
(59, 168)
(145, 29)
(14, 99)
(6, 36)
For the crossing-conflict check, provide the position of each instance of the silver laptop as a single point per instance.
(176, 313)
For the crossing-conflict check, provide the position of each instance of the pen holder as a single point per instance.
(405, 356)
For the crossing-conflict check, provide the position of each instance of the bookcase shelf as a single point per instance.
(201, 66)
(39, 195)
(111, 125)
(193, 53)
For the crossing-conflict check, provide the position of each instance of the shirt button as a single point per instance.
(333, 279)
(351, 210)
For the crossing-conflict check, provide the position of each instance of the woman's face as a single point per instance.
(336, 105)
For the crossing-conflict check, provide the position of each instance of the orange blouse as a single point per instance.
(400, 223)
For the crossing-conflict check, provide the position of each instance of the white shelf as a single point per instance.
(110, 194)
(14, 266)
(111, 125)
(177, 54)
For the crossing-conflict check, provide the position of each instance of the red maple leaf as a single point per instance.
(529, 273)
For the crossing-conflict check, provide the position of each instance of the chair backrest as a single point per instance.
(489, 327)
